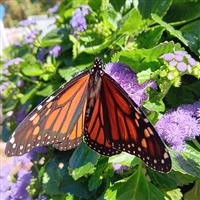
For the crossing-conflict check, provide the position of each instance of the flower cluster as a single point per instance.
(15, 61)
(16, 176)
(178, 125)
(53, 10)
(179, 63)
(30, 37)
(27, 22)
(78, 21)
(3, 87)
(55, 51)
(119, 169)
(128, 81)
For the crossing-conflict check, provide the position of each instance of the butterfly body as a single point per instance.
(91, 106)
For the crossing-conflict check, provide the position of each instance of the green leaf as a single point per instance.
(131, 23)
(125, 159)
(83, 170)
(96, 179)
(186, 162)
(146, 8)
(170, 29)
(150, 38)
(142, 59)
(33, 69)
(132, 188)
(183, 11)
(191, 32)
(155, 105)
(155, 193)
(83, 161)
(194, 193)
(51, 179)
(29, 93)
(174, 194)
(143, 76)
(53, 37)
(48, 90)
(68, 72)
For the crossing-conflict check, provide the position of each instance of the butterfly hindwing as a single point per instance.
(58, 120)
(130, 130)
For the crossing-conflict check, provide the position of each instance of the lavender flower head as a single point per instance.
(178, 125)
(29, 37)
(55, 51)
(27, 22)
(53, 10)
(126, 78)
(180, 61)
(3, 87)
(78, 21)
(119, 169)
(16, 175)
(15, 61)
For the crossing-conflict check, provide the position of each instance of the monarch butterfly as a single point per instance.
(92, 106)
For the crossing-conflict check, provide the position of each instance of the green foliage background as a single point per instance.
(149, 29)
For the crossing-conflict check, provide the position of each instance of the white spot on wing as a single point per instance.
(12, 140)
(33, 117)
(50, 98)
(39, 107)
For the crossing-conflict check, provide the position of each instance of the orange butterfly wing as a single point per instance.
(130, 130)
(96, 130)
(58, 120)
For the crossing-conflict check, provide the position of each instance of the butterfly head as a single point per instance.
(98, 66)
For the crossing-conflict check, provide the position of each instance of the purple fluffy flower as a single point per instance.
(192, 61)
(181, 67)
(53, 10)
(168, 56)
(27, 22)
(3, 87)
(55, 51)
(119, 169)
(15, 176)
(85, 10)
(179, 59)
(15, 61)
(20, 83)
(128, 81)
(19, 188)
(78, 21)
(178, 125)
(43, 197)
(29, 38)
(41, 54)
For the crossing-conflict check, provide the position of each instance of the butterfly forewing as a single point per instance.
(96, 130)
(58, 120)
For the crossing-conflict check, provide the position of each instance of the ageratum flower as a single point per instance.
(179, 60)
(16, 175)
(53, 10)
(178, 125)
(29, 37)
(55, 51)
(127, 79)
(27, 22)
(119, 169)
(3, 87)
(19, 188)
(78, 21)
(20, 83)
